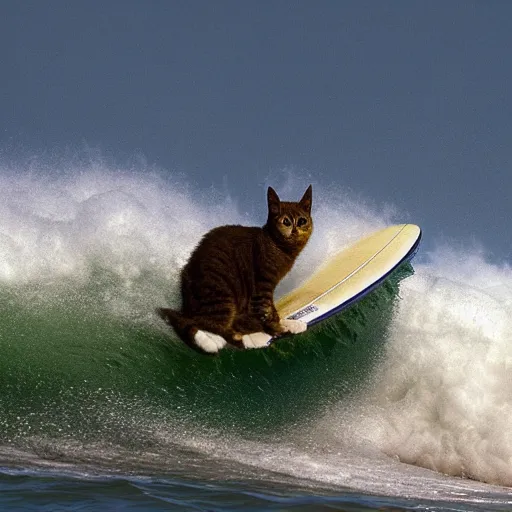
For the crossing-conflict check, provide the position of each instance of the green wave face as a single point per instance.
(73, 369)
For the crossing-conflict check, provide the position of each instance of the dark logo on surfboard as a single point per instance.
(303, 312)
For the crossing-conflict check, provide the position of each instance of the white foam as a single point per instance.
(442, 398)
(59, 224)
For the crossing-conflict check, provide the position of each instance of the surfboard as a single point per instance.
(349, 275)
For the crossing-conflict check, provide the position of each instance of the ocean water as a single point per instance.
(402, 402)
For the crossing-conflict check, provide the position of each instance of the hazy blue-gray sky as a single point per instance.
(403, 101)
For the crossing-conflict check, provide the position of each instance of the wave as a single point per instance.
(441, 398)
(86, 257)
(417, 370)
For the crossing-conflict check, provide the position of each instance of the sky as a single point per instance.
(404, 102)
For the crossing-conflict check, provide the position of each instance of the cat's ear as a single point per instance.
(307, 199)
(274, 203)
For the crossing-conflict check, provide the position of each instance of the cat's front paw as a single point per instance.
(209, 342)
(256, 340)
(293, 326)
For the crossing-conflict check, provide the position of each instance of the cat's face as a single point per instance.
(290, 221)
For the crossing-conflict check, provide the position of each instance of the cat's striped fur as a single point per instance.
(227, 286)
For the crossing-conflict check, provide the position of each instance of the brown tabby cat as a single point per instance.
(228, 284)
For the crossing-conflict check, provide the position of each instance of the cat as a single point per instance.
(227, 285)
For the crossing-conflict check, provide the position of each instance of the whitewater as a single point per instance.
(404, 400)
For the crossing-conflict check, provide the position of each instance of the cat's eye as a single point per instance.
(302, 221)
(287, 222)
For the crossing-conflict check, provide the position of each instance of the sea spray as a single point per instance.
(442, 396)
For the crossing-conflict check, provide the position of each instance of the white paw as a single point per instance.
(256, 340)
(293, 326)
(209, 342)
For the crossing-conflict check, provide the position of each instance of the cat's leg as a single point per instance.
(213, 308)
(263, 309)
(264, 313)
(293, 326)
(208, 299)
(245, 323)
(256, 340)
(271, 321)
(208, 341)
(200, 340)
(262, 339)
(221, 324)
(280, 326)
(251, 330)
(215, 334)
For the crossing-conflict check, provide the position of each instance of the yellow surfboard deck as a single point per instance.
(350, 274)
